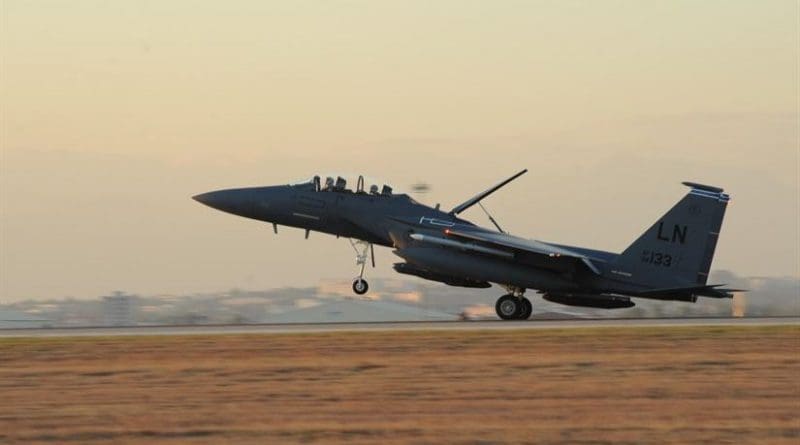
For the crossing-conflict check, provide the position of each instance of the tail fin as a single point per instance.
(679, 247)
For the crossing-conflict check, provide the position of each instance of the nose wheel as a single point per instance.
(512, 307)
(360, 286)
(364, 251)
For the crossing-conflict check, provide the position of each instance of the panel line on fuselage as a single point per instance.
(304, 215)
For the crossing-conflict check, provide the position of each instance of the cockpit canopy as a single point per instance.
(340, 185)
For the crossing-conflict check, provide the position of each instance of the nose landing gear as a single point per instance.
(363, 250)
(513, 307)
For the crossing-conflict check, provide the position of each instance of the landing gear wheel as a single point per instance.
(526, 310)
(508, 307)
(360, 286)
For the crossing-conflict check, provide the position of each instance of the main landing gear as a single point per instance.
(363, 250)
(513, 307)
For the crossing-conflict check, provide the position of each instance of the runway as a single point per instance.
(395, 326)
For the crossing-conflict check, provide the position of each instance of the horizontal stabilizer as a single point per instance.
(714, 291)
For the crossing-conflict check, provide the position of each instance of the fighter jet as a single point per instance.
(669, 261)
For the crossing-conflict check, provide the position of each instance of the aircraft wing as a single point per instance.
(506, 241)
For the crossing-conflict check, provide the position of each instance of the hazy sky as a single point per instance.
(112, 114)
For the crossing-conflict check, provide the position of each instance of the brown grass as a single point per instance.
(599, 386)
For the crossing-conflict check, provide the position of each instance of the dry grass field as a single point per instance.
(737, 385)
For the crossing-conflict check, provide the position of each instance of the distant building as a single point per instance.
(10, 319)
(119, 309)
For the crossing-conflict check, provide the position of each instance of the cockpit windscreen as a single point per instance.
(343, 184)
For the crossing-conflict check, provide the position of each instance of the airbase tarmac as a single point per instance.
(603, 385)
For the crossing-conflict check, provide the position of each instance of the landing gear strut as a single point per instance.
(513, 307)
(363, 250)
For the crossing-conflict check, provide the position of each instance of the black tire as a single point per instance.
(360, 286)
(526, 310)
(508, 307)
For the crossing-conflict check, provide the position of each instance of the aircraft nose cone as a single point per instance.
(211, 199)
(262, 203)
(236, 201)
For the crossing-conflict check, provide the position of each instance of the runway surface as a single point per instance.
(397, 326)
